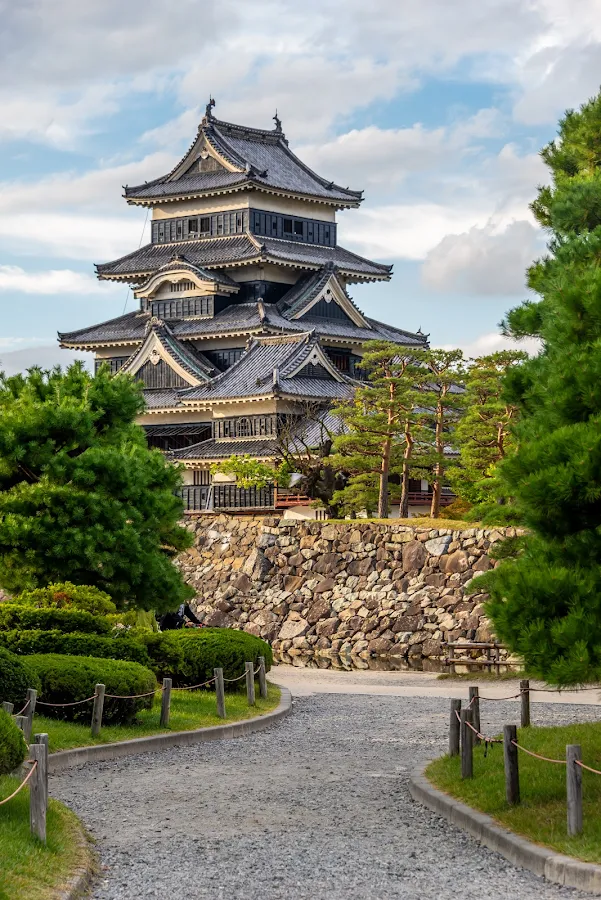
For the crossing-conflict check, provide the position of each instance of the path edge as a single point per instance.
(544, 862)
(79, 756)
(82, 878)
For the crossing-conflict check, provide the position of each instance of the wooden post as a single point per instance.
(467, 759)
(262, 678)
(250, 683)
(38, 791)
(474, 696)
(32, 696)
(43, 739)
(219, 692)
(574, 789)
(451, 659)
(8, 707)
(97, 711)
(166, 702)
(20, 722)
(510, 757)
(454, 728)
(525, 703)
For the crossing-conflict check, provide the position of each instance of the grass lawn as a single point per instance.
(189, 709)
(28, 869)
(541, 816)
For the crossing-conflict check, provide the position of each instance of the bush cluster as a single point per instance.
(188, 656)
(12, 744)
(35, 641)
(65, 595)
(15, 677)
(67, 678)
(14, 615)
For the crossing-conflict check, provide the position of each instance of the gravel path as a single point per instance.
(315, 808)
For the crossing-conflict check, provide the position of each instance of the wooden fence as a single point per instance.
(465, 733)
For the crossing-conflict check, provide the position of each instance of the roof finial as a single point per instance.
(278, 123)
(209, 110)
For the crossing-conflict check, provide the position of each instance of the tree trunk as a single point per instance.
(384, 470)
(404, 507)
(439, 467)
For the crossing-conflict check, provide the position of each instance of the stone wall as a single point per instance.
(326, 589)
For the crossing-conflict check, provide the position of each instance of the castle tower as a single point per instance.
(244, 315)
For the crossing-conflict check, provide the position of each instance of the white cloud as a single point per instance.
(491, 342)
(54, 281)
(487, 261)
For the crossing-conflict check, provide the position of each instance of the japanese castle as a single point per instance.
(245, 322)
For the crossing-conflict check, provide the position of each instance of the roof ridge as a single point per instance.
(63, 335)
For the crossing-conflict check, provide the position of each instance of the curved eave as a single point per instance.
(336, 202)
(353, 277)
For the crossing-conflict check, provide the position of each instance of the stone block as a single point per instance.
(293, 628)
(328, 563)
(414, 556)
(319, 609)
(438, 546)
(455, 563)
(361, 566)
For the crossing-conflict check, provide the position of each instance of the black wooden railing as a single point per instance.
(197, 498)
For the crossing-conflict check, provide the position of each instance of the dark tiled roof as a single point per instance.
(263, 159)
(212, 449)
(130, 327)
(221, 252)
(164, 398)
(240, 318)
(266, 369)
(306, 290)
(186, 430)
(193, 362)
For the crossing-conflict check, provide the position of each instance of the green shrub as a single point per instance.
(13, 748)
(65, 595)
(15, 677)
(68, 678)
(26, 643)
(188, 656)
(13, 615)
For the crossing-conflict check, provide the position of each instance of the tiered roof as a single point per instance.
(273, 367)
(242, 249)
(247, 158)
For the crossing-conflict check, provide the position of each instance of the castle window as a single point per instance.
(161, 231)
(287, 226)
(243, 428)
(205, 226)
(298, 227)
(192, 227)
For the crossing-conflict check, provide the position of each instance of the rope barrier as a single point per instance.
(193, 687)
(560, 762)
(588, 768)
(487, 740)
(73, 703)
(231, 680)
(22, 711)
(23, 783)
(132, 696)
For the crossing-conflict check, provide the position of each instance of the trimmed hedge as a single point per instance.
(26, 643)
(65, 595)
(14, 615)
(13, 748)
(15, 677)
(68, 678)
(189, 655)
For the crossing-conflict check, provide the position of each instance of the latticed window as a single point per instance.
(243, 427)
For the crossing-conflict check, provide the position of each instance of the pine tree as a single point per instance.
(446, 402)
(484, 432)
(82, 498)
(381, 419)
(546, 602)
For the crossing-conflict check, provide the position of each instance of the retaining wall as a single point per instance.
(328, 589)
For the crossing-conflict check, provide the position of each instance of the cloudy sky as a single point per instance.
(437, 109)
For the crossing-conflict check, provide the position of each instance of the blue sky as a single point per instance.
(436, 109)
